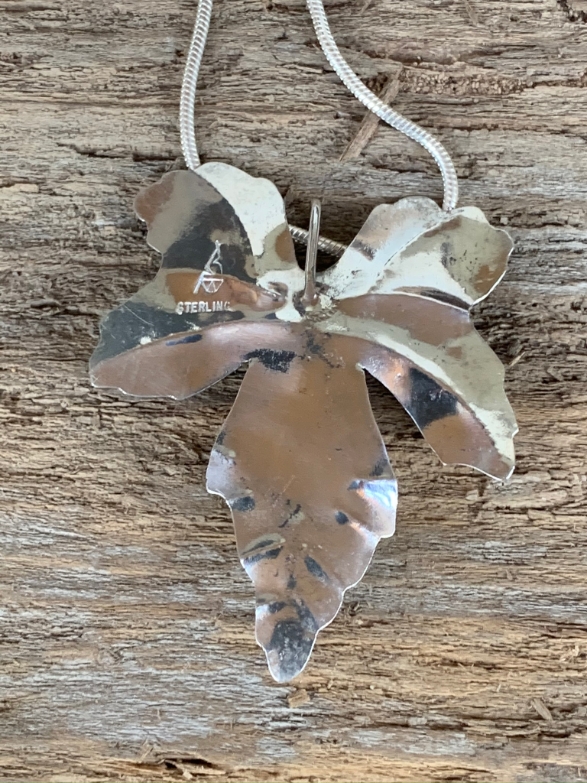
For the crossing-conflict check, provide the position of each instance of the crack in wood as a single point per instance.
(370, 122)
(576, 10)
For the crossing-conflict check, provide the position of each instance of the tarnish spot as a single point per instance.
(246, 503)
(380, 467)
(341, 517)
(289, 649)
(447, 258)
(264, 542)
(268, 554)
(279, 361)
(316, 569)
(364, 248)
(191, 338)
(295, 516)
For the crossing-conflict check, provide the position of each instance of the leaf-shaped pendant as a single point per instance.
(300, 460)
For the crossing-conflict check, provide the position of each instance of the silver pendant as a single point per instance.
(300, 460)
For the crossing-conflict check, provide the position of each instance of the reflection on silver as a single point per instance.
(300, 460)
(310, 295)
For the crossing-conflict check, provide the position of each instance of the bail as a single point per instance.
(310, 295)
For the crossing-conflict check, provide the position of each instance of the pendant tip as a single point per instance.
(288, 650)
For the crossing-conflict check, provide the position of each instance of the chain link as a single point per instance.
(190, 81)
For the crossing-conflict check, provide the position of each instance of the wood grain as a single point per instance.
(126, 623)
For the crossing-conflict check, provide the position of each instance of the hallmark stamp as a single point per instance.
(208, 282)
(182, 308)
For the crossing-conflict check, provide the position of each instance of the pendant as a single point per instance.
(300, 460)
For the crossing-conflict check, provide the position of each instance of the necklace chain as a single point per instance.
(190, 80)
(352, 82)
(349, 79)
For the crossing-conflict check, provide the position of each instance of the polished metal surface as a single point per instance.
(310, 294)
(300, 460)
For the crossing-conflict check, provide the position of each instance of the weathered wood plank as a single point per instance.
(126, 641)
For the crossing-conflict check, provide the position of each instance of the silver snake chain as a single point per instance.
(348, 77)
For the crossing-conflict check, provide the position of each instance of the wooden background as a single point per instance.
(126, 622)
